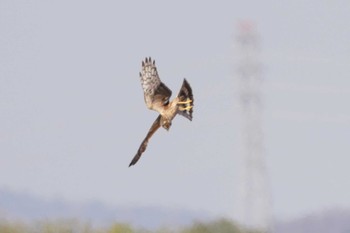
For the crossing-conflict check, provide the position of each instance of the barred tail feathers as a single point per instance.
(185, 100)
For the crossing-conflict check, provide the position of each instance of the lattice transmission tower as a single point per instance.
(254, 202)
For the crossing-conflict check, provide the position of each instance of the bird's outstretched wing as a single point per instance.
(156, 93)
(143, 146)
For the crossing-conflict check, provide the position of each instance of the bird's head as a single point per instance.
(165, 123)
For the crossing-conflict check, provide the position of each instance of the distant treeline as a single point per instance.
(75, 226)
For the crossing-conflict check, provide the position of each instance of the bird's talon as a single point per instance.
(186, 108)
(185, 102)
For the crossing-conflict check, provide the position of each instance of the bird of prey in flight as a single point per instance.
(157, 98)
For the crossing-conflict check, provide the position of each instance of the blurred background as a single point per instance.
(73, 114)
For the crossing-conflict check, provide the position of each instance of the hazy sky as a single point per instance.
(73, 114)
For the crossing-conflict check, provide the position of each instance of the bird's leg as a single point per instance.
(185, 108)
(185, 102)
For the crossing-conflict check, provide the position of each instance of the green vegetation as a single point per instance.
(74, 226)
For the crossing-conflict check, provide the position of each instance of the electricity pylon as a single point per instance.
(254, 199)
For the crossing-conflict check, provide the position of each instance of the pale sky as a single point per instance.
(73, 114)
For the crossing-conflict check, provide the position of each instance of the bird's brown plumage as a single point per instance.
(143, 146)
(157, 95)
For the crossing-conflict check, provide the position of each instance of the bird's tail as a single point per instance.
(185, 104)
